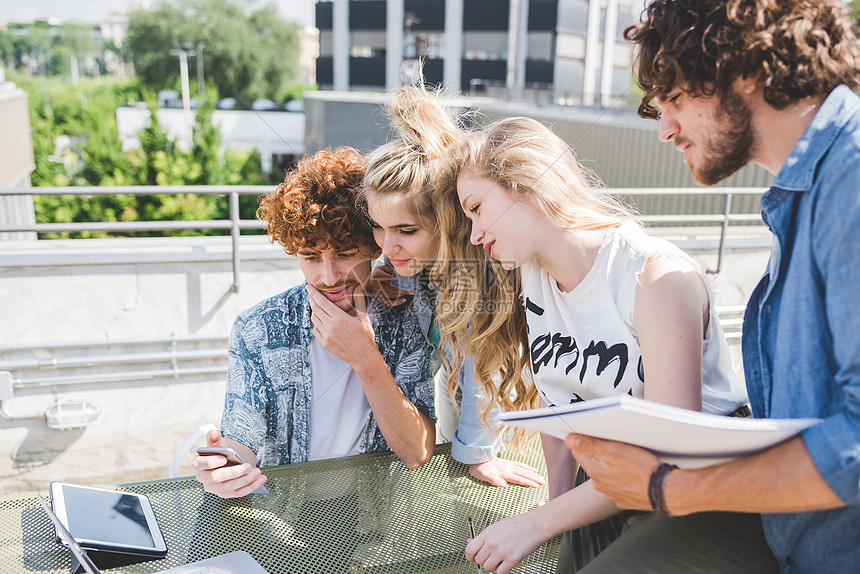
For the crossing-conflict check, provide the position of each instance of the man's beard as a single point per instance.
(732, 147)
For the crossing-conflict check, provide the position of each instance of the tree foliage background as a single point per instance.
(248, 53)
(855, 14)
(48, 49)
(76, 142)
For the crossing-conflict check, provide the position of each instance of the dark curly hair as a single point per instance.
(315, 206)
(799, 48)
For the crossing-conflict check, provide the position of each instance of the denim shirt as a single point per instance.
(269, 387)
(473, 441)
(801, 340)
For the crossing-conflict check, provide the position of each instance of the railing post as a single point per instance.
(234, 233)
(727, 210)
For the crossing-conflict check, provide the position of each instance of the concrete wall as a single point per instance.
(103, 289)
(335, 119)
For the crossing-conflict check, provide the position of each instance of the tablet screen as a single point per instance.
(109, 517)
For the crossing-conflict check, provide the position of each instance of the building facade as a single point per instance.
(16, 161)
(468, 46)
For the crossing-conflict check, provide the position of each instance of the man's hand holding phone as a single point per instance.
(222, 470)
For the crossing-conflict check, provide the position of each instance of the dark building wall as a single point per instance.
(543, 15)
(539, 72)
(367, 72)
(323, 16)
(433, 71)
(485, 15)
(325, 70)
(431, 14)
(488, 70)
(367, 15)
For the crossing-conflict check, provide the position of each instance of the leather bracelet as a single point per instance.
(655, 489)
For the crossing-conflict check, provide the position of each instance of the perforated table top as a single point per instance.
(360, 514)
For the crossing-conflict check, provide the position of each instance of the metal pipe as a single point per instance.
(727, 212)
(234, 233)
(139, 190)
(110, 343)
(122, 359)
(117, 226)
(694, 191)
(111, 377)
(10, 417)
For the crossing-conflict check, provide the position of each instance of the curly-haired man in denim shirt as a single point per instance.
(770, 82)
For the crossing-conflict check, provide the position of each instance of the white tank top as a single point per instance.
(583, 343)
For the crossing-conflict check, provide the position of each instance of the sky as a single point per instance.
(92, 11)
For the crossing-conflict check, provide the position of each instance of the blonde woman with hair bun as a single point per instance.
(397, 195)
(600, 307)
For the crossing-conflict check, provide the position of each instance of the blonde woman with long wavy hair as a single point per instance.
(601, 308)
(397, 195)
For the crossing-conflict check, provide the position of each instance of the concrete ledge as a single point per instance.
(72, 252)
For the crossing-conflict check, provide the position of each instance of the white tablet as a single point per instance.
(111, 520)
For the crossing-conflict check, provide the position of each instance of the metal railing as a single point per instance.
(43, 365)
(49, 364)
(235, 224)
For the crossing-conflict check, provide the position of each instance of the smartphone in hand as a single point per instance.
(232, 457)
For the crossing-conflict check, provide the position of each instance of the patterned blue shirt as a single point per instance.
(269, 379)
(801, 340)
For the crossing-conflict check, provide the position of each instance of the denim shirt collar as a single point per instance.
(798, 171)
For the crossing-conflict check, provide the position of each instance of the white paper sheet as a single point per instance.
(687, 438)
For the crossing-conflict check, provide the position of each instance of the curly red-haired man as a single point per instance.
(294, 393)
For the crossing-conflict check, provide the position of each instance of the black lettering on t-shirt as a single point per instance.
(605, 356)
(547, 346)
(531, 306)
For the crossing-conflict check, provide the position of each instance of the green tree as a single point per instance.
(207, 143)
(252, 55)
(7, 49)
(154, 145)
(75, 142)
(855, 14)
(49, 170)
(76, 40)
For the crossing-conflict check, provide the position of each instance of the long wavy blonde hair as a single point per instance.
(411, 166)
(538, 168)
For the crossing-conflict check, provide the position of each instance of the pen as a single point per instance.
(472, 533)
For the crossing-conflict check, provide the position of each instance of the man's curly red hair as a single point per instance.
(315, 206)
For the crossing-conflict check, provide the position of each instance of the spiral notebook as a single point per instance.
(687, 438)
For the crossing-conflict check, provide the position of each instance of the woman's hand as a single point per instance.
(503, 545)
(499, 472)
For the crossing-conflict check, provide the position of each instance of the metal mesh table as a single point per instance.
(359, 514)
